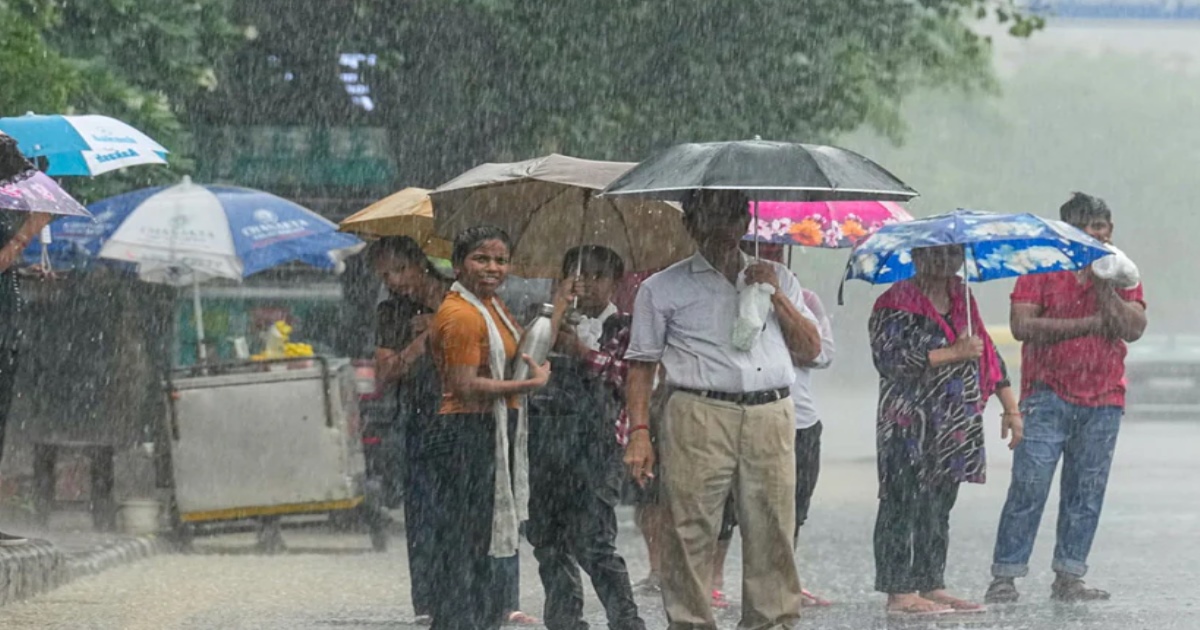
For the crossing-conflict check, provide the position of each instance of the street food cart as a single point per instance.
(264, 440)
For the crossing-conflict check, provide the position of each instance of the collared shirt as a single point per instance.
(802, 396)
(684, 317)
(606, 361)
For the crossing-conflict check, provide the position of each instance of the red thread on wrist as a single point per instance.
(640, 427)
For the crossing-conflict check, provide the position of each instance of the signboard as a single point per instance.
(296, 157)
(1118, 9)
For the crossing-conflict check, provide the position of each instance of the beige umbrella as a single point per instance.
(405, 213)
(548, 205)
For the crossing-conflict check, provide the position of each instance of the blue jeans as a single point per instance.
(1085, 438)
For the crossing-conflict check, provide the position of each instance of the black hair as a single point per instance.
(595, 258)
(713, 204)
(404, 248)
(1082, 208)
(471, 238)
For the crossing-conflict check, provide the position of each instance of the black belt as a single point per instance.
(747, 399)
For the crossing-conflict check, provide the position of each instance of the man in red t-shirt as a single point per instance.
(1074, 326)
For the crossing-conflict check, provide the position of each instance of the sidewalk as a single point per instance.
(67, 550)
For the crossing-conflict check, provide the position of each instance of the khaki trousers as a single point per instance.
(708, 448)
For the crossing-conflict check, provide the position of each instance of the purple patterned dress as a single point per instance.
(929, 418)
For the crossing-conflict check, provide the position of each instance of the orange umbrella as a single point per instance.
(408, 212)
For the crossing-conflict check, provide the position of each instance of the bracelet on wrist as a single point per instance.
(640, 427)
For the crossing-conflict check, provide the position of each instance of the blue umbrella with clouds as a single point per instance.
(995, 246)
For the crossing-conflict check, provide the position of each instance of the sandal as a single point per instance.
(518, 618)
(809, 600)
(1001, 591)
(916, 609)
(1074, 590)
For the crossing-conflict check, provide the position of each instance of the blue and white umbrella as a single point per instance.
(82, 145)
(190, 233)
(995, 246)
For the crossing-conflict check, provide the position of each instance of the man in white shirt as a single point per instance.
(808, 440)
(730, 421)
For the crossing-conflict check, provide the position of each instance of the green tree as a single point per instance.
(462, 81)
(141, 61)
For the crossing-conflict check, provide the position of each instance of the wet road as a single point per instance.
(1146, 553)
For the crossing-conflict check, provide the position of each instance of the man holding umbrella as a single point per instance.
(730, 423)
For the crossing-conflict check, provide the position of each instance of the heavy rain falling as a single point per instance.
(568, 313)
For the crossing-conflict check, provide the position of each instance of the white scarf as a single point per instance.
(590, 329)
(511, 493)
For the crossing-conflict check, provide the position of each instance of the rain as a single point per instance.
(228, 378)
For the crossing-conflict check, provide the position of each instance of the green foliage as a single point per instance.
(461, 81)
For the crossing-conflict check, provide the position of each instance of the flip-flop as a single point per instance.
(518, 618)
(962, 606)
(813, 601)
(910, 612)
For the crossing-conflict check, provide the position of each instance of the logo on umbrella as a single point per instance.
(262, 215)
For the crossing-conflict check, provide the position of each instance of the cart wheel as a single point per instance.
(270, 536)
(379, 536)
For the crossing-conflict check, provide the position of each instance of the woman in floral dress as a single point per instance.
(935, 380)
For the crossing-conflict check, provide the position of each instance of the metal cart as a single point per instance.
(264, 440)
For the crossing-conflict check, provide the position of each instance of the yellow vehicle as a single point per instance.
(1008, 347)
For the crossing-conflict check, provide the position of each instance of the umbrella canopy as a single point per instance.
(82, 145)
(408, 212)
(763, 170)
(996, 245)
(826, 224)
(215, 231)
(549, 205)
(39, 193)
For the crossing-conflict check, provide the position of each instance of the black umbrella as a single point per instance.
(13, 164)
(762, 170)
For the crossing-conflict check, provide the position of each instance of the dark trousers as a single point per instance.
(420, 532)
(912, 534)
(574, 489)
(808, 469)
(8, 381)
(473, 589)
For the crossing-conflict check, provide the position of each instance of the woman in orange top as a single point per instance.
(478, 442)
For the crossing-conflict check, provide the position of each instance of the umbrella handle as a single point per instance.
(967, 284)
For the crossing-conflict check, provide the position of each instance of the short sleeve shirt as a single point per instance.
(460, 338)
(1085, 371)
(684, 317)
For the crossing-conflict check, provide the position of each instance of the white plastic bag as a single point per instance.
(754, 304)
(1118, 269)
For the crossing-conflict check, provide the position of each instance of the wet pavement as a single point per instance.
(1146, 554)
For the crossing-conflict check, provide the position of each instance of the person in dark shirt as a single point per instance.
(402, 361)
(15, 234)
(576, 431)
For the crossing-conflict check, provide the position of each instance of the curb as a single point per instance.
(113, 554)
(29, 569)
(39, 567)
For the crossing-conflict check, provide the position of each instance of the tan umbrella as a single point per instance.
(548, 205)
(405, 213)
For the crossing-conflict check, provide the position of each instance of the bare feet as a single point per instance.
(960, 605)
(914, 604)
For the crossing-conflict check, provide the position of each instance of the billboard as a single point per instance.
(1118, 9)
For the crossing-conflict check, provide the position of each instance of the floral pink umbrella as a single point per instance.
(828, 224)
